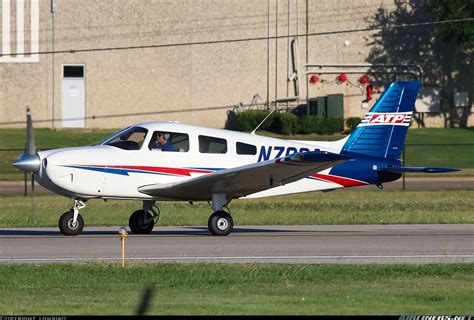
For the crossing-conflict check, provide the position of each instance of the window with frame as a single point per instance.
(129, 139)
(169, 141)
(245, 148)
(209, 144)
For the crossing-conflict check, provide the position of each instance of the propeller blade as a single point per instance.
(30, 137)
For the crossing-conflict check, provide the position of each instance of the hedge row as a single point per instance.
(288, 123)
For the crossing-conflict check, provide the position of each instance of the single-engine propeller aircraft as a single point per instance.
(168, 161)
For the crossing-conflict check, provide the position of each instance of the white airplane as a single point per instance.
(168, 161)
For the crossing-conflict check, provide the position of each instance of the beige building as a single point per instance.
(112, 63)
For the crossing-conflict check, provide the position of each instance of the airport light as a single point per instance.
(123, 234)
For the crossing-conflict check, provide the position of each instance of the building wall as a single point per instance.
(195, 84)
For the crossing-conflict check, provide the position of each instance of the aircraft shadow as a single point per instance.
(194, 231)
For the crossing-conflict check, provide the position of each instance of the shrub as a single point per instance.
(309, 124)
(352, 123)
(329, 125)
(285, 123)
(248, 120)
(288, 123)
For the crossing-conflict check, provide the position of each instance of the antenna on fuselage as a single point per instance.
(253, 132)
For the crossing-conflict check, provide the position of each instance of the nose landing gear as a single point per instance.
(71, 222)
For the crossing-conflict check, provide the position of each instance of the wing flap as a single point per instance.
(244, 180)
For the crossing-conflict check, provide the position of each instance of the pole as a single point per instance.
(276, 55)
(268, 56)
(25, 178)
(403, 174)
(123, 251)
(26, 184)
(123, 234)
(307, 59)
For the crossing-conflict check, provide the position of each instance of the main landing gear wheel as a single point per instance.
(141, 222)
(67, 225)
(220, 223)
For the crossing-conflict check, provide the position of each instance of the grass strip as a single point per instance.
(211, 289)
(351, 206)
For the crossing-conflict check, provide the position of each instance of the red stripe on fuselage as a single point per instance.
(167, 170)
(346, 182)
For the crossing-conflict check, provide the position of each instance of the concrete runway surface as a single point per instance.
(335, 244)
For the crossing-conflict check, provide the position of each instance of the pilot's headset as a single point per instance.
(165, 135)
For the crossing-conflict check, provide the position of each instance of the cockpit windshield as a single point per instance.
(130, 138)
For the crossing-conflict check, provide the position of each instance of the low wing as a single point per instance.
(241, 181)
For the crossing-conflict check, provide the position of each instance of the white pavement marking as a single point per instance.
(253, 258)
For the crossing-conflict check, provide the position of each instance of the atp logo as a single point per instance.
(393, 118)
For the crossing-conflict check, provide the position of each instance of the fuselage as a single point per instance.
(118, 166)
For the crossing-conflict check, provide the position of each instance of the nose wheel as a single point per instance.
(71, 222)
(68, 226)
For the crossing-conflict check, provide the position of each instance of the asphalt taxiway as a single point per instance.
(334, 244)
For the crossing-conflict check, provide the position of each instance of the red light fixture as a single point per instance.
(364, 79)
(314, 79)
(341, 78)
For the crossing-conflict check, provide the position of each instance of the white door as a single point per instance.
(73, 97)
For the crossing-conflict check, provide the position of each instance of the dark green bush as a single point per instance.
(288, 123)
(330, 126)
(319, 125)
(352, 122)
(285, 123)
(309, 124)
(248, 120)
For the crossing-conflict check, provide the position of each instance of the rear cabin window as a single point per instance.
(169, 141)
(212, 145)
(244, 148)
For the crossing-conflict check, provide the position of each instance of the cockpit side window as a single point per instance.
(131, 139)
(169, 141)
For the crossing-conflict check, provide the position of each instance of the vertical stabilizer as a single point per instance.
(383, 130)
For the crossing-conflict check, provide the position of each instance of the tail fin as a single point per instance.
(383, 130)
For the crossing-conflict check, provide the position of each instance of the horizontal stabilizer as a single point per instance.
(417, 169)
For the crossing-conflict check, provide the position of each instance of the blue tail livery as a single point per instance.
(377, 143)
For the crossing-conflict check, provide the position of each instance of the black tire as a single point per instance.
(136, 222)
(67, 227)
(220, 223)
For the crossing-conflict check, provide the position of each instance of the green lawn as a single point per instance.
(351, 206)
(48, 138)
(448, 154)
(45, 139)
(210, 289)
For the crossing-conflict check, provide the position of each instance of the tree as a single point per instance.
(461, 34)
(445, 52)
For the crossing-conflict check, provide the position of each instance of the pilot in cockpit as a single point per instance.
(161, 140)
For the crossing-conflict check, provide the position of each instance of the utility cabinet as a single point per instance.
(330, 106)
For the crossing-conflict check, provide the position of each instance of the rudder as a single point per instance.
(383, 130)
